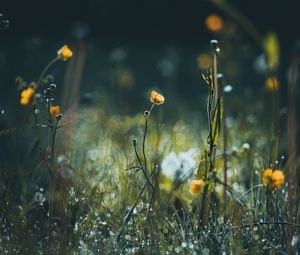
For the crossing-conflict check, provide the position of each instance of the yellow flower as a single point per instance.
(196, 186)
(26, 96)
(124, 78)
(54, 110)
(157, 98)
(267, 177)
(274, 179)
(272, 84)
(65, 52)
(277, 179)
(272, 50)
(214, 23)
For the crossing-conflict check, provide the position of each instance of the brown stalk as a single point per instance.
(225, 143)
(292, 152)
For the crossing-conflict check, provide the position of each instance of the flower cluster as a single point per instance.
(27, 94)
(273, 179)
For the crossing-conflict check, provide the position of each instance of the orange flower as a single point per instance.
(214, 23)
(65, 52)
(272, 84)
(156, 98)
(274, 179)
(26, 96)
(54, 110)
(277, 179)
(196, 186)
(267, 177)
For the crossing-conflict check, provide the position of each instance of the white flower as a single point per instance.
(93, 154)
(178, 166)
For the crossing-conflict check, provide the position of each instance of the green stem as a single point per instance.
(274, 128)
(249, 190)
(130, 212)
(141, 164)
(143, 146)
(204, 193)
(45, 70)
(225, 145)
(145, 159)
(215, 80)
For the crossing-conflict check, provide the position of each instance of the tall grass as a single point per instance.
(92, 183)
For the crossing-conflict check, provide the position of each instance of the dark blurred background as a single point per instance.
(153, 43)
(128, 21)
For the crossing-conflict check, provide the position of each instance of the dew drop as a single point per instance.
(228, 88)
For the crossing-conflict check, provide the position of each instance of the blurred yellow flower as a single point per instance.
(267, 177)
(54, 110)
(65, 52)
(273, 179)
(26, 96)
(124, 78)
(196, 186)
(272, 84)
(204, 61)
(156, 98)
(214, 23)
(272, 50)
(277, 179)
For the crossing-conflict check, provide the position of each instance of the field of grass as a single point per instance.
(221, 179)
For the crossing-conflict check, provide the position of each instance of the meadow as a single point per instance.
(218, 176)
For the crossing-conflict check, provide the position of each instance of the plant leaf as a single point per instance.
(216, 121)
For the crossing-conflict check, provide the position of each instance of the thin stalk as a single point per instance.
(203, 204)
(53, 126)
(145, 176)
(147, 114)
(215, 78)
(209, 110)
(292, 150)
(204, 193)
(225, 145)
(51, 173)
(45, 70)
(274, 124)
(130, 212)
(143, 146)
(212, 105)
(53, 129)
(140, 162)
(249, 190)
